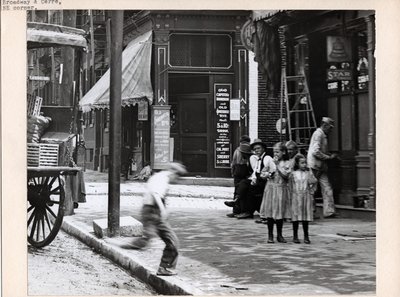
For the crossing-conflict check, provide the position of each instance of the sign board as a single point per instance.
(338, 49)
(39, 78)
(338, 74)
(160, 136)
(222, 97)
(235, 110)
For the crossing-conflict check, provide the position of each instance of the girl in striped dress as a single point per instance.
(275, 204)
(302, 184)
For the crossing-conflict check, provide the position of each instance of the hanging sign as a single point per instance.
(235, 110)
(222, 95)
(338, 48)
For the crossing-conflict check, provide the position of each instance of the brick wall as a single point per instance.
(268, 114)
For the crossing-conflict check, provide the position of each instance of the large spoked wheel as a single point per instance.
(45, 209)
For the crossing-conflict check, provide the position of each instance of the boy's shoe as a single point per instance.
(261, 221)
(244, 215)
(231, 215)
(165, 272)
(229, 203)
(307, 240)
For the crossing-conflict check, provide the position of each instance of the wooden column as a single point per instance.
(370, 20)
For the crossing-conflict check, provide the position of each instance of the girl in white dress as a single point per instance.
(302, 185)
(275, 205)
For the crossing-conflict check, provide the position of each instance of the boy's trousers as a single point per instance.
(154, 225)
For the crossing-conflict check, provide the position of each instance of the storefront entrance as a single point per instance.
(193, 122)
(190, 131)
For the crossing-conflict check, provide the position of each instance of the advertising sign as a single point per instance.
(222, 95)
(161, 137)
(235, 110)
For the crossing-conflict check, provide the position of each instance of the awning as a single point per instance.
(47, 35)
(263, 14)
(136, 80)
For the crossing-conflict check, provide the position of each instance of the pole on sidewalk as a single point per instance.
(114, 173)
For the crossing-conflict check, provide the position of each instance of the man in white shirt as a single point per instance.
(251, 189)
(317, 157)
(154, 218)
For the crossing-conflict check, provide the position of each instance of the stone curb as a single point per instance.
(170, 285)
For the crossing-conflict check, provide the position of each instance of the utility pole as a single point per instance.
(114, 171)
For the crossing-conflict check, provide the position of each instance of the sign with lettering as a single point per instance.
(222, 97)
(338, 74)
(160, 136)
(235, 110)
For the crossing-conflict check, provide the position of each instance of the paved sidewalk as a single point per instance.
(225, 256)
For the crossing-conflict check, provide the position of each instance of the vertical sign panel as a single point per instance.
(160, 137)
(222, 96)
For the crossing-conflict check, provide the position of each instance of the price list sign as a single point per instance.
(222, 95)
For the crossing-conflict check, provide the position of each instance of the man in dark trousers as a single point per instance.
(154, 218)
(250, 190)
(240, 169)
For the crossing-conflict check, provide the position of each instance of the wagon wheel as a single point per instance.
(45, 209)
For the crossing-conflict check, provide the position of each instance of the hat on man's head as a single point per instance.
(258, 141)
(328, 121)
(244, 148)
(177, 167)
(244, 138)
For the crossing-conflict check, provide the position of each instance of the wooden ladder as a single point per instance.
(300, 115)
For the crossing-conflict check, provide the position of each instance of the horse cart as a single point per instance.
(52, 156)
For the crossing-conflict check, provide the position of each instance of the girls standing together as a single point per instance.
(288, 193)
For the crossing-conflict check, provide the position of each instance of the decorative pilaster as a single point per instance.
(370, 20)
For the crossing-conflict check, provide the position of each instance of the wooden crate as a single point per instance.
(43, 154)
(34, 105)
(33, 154)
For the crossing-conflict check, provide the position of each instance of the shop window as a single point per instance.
(200, 50)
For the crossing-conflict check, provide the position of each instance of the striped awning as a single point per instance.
(136, 80)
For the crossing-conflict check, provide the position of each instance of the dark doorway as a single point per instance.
(190, 131)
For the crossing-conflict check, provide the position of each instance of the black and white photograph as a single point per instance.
(219, 151)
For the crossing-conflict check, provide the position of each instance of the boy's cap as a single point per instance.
(328, 121)
(177, 167)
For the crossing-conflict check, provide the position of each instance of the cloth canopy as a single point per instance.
(47, 35)
(263, 14)
(136, 80)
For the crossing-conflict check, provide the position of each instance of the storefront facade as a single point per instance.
(336, 49)
(199, 65)
(199, 78)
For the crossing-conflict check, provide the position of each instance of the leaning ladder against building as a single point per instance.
(296, 101)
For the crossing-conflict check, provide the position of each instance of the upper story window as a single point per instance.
(200, 50)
